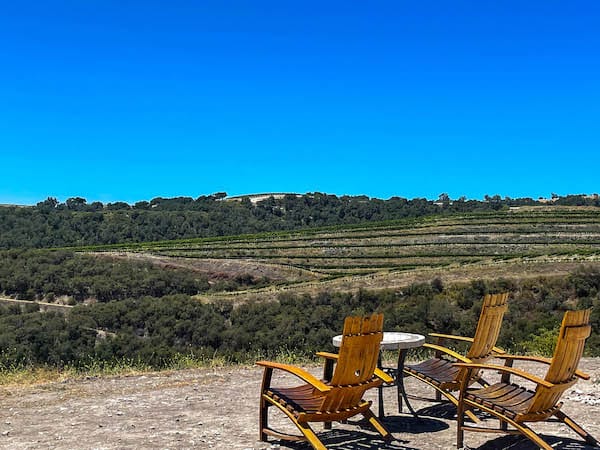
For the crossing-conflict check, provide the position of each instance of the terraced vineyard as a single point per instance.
(436, 246)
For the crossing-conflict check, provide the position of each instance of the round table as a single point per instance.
(394, 340)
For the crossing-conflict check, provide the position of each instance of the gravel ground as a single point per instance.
(218, 408)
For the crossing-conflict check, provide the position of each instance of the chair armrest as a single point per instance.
(328, 355)
(330, 360)
(448, 352)
(539, 359)
(383, 376)
(496, 350)
(451, 336)
(526, 358)
(507, 370)
(297, 371)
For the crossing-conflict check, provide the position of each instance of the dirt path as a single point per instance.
(217, 408)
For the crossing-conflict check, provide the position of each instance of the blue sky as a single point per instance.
(130, 100)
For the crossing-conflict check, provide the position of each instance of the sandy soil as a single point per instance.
(217, 408)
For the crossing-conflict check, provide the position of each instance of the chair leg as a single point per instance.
(263, 419)
(263, 413)
(438, 396)
(375, 423)
(576, 428)
(532, 436)
(310, 435)
(520, 428)
(460, 420)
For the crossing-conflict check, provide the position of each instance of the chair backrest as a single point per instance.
(357, 360)
(488, 328)
(574, 330)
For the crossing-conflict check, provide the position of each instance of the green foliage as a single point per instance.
(173, 331)
(28, 339)
(151, 330)
(38, 274)
(586, 281)
(541, 344)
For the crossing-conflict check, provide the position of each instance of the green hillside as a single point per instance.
(246, 296)
(545, 237)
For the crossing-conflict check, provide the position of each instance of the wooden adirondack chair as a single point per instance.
(440, 372)
(513, 404)
(335, 400)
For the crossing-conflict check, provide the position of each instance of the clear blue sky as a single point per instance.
(131, 100)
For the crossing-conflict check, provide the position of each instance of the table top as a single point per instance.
(393, 340)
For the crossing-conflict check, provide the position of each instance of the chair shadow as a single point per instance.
(444, 410)
(342, 439)
(447, 411)
(522, 443)
(413, 425)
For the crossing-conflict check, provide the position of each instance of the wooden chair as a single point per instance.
(440, 372)
(335, 400)
(513, 404)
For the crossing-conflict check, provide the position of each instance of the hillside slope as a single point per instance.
(525, 242)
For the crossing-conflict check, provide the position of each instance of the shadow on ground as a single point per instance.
(521, 443)
(413, 425)
(447, 411)
(349, 440)
(361, 437)
(434, 427)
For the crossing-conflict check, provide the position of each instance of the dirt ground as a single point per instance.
(218, 408)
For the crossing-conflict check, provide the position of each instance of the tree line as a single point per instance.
(76, 222)
(158, 330)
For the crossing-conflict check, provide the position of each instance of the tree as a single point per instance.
(49, 204)
(76, 203)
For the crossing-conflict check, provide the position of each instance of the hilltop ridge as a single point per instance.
(76, 222)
